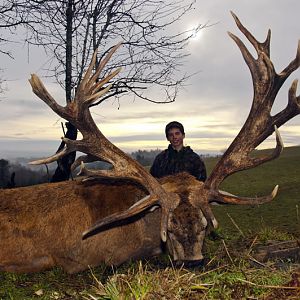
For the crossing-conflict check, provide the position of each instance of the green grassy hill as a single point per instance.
(283, 213)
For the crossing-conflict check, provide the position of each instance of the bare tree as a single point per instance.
(11, 16)
(151, 55)
(152, 50)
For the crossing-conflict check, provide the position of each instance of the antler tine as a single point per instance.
(102, 64)
(253, 162)
(39, 89)
(224, 197)
(259, 124)
(89, 90)
(69, 147)
(83, 158)
(292, 109)
(104, 173)
(93, 97)
(135, 209)
(264, 47)
(294, 65)
(99, 85)
(94, 90)
(50, 159)
(88, 73)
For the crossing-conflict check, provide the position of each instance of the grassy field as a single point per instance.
(230, 273)
(282, 213)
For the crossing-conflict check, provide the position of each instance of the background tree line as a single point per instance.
(17, 174)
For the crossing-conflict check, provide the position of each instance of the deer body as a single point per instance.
(42, 226)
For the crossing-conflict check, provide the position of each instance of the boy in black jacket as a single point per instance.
(177, 158)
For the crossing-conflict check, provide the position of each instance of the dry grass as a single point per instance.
(225, 282)
(231, 273)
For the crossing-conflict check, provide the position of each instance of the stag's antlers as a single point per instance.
(259, 124)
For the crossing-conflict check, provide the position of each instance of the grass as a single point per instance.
(230, 273)
(222, 278)
(282, 213)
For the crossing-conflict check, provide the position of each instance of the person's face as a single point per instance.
(175, 137)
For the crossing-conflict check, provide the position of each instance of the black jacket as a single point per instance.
(170, 162)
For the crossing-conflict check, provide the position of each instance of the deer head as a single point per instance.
(184, 202)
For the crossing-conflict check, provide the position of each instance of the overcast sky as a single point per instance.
(213, 106)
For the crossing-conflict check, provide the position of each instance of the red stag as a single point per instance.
(42, 226)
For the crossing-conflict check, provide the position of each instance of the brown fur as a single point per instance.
(41, 226)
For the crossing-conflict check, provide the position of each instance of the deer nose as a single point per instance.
(189, 264)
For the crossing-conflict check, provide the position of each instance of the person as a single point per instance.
(177, 158)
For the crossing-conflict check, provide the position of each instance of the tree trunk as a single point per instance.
(63, 170)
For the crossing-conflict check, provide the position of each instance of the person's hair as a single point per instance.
(174, 124)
